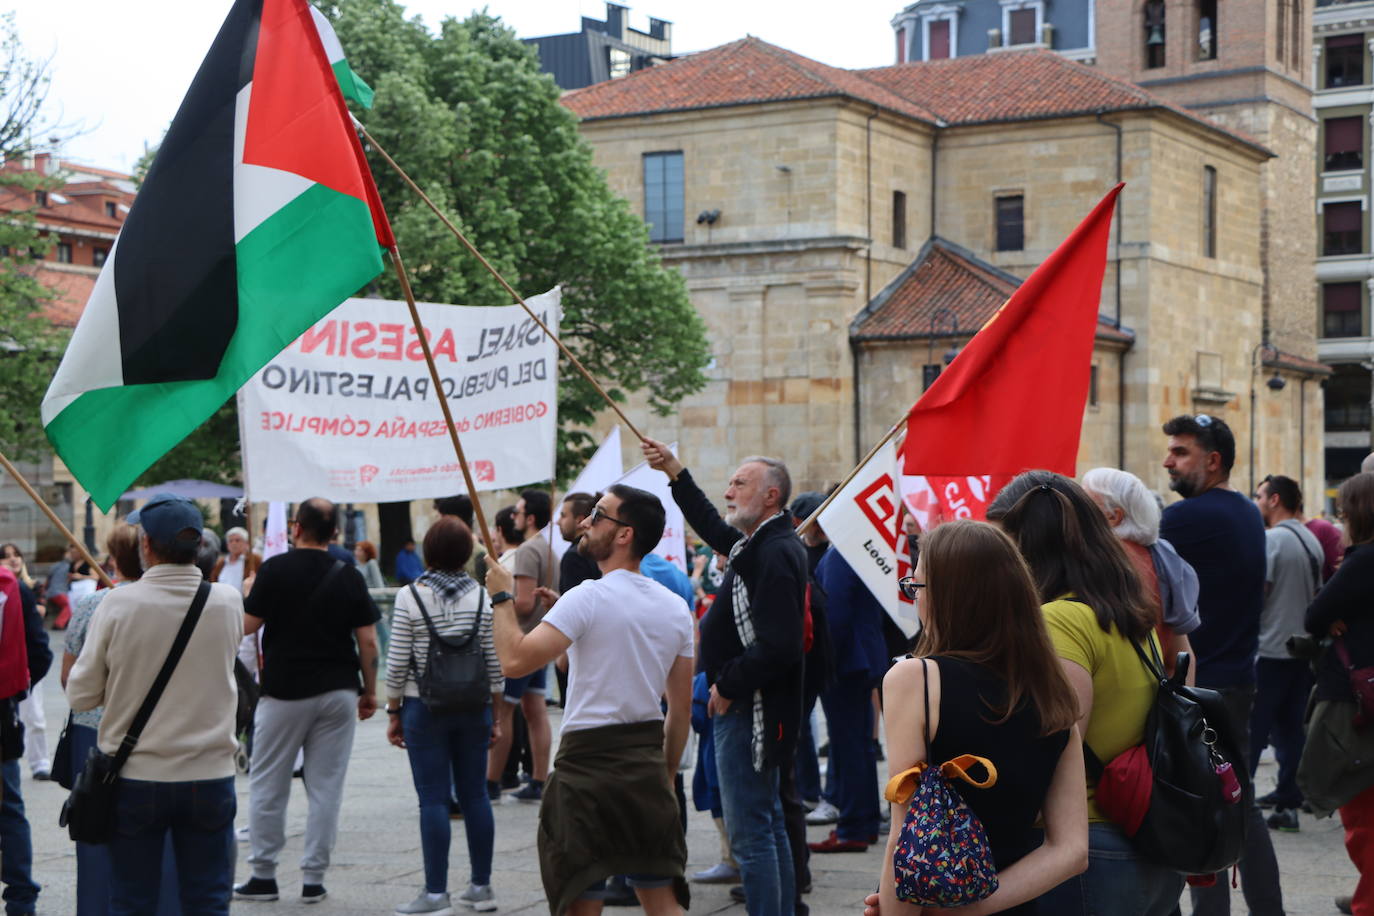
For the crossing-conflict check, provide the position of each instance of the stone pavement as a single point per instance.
(377, 859)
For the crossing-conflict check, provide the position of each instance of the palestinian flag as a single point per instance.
(257, 218)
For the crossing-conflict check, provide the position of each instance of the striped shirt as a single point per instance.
(409, 647)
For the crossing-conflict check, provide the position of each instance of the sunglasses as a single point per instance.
(597, 514)
(910, 587)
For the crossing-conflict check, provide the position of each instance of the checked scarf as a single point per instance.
(449, 586)
(744, 626)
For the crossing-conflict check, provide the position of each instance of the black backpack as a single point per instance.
(1194, 824)
(454, 678)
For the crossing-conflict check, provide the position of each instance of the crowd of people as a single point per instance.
(1034, 654)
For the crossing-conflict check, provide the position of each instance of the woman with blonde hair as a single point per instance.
(988, 683)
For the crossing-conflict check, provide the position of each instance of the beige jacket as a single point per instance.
(191, 733)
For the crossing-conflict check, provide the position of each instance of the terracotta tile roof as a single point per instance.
(742, 72)
(983, 89)
(1021, 86)
(949, 291)
(1275, 358)
(70, 292)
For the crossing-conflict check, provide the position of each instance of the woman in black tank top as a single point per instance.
(995, 690)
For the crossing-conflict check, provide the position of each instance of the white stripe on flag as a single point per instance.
(259, 192)
(93, 359)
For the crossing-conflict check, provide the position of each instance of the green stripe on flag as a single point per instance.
(293, 269)
(352, 84)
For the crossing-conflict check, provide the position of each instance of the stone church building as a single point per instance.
(843, 232)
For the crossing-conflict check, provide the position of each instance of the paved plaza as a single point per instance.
(377, 860)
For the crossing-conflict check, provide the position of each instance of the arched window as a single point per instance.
(1154, 34)
(1207, 30)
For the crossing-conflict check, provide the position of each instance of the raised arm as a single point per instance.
(696, 508)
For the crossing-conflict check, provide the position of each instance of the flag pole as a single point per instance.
(577, 364)
(443, 401)
(887, 437)
(57, 522)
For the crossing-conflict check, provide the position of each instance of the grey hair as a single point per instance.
(1123, 490)
(774, 475)
(241, 532)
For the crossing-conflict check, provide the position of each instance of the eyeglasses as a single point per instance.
(597, 514)
(910, 587)
(1203, 420)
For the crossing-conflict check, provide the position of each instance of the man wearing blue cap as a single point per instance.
(180, 775)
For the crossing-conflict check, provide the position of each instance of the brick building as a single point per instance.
(791, 195)
(81, 218)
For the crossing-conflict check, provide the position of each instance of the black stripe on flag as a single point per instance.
(175, 274)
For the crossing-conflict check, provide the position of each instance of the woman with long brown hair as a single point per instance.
(995, 691)
(1097, 613)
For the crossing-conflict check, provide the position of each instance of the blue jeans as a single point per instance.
(93, 859)
(854, 784)
(16, 846)
(199, 816)
(1282, 687)
(450, 753)
(753, 815)
(1117, 882)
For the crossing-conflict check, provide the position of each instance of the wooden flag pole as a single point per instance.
(57, 522)
(577, 364)
(887, 437)
(443, 401)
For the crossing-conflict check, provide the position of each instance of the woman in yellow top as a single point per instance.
(1095, 608)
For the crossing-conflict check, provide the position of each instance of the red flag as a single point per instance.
(1013, 399)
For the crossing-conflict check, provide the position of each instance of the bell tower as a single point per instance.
(1246, 64)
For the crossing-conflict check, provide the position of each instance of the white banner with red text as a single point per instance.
(861, 522)
(348, 411)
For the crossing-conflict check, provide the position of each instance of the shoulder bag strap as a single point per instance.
(188, 624)
(1316, 564)
(434, 632)
(319, 589)
(925, 687)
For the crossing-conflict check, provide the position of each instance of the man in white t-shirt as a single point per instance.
(609, 806)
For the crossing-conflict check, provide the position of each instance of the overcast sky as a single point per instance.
(121, 68)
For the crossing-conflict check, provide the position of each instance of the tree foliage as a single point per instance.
(30, 342)
(468, 114)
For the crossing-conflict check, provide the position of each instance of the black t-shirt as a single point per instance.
(574, 569)
(307, 646)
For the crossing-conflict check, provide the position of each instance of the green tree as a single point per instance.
(31, 342)
(468, 114)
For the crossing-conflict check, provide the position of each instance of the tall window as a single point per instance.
(663, 196)
(1011, 227)
(110, 209)
(1347, 399)
(929, 373)
(1092, 386)
(1342, 226)
(1209, 212)
(64, 252)
(1344, 61)
(1022, 27)
(1154, 34)
(98, 256)
(1281, 33)
(901, 45)
(1207, 30)
(40, 198)
(1341, 310)
(939, 40)
(898, 219)
(1296, 41)
(619, 62)
(1344, 144)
